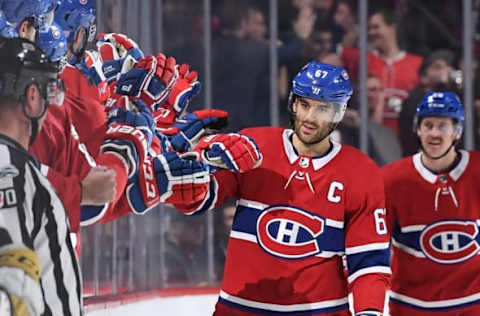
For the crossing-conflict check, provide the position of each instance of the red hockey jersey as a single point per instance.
(65, 161)
(399, 77)
(82, 101)
(296, 217)
(436, 243)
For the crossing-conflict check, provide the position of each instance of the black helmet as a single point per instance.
(23, 63)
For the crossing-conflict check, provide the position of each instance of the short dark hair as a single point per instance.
(444, 54)
(233, 12)
(389, 16)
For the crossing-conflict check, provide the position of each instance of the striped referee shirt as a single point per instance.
(32, 216)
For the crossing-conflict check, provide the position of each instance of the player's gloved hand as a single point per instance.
(185, 133)
(233, 151)
(150, 80)
(185, 88)
(129, 134)
(168, 178)
(118, 53)
(91, 67)
(369, 313)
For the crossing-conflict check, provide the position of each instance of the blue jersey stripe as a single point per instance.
(366, 259)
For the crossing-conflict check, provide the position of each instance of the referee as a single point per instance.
(39, 272)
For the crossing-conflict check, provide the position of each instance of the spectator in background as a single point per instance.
(240, 65)
(476, 91)
(185, 259)
(435, 73)
(255, 25)
(397, 69)
(344, 17)
(384, 146)
(222, 231)
(318, 45)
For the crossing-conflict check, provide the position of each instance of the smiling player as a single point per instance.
(434, 211)
(310, 202)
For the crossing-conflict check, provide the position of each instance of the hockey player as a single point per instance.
(310, 202)
(27, 16)
(38, 269)
(434, 210)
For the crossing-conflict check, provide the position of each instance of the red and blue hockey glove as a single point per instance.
(129, 135)
(150, 80)
(185, 133)
(118, 53)
(233, 151)
(91, 67)
(168, 178)
(185, 88)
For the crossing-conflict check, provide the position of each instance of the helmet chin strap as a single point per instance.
(34, 125)
(424, 152)
(33, 131)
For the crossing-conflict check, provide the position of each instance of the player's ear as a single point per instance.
(294, 105)
(33, 101)
(418, 132)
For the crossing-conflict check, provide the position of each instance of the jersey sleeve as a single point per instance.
(367, 239)
(391, 211)
(65, 160)
(119, 206)
(69, 189)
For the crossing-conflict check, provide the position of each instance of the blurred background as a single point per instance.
(247, 53)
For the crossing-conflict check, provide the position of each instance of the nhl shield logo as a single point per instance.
(450, 242)
(289, 232)
(304, 162)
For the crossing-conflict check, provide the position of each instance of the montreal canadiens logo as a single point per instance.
(450, 242)
(289, 232)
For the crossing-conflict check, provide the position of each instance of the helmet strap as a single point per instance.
(34, 125)
(437, 157)
(34, 130)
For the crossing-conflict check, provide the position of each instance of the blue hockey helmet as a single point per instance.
(73, 15)
(322, 82)
(53, 42)
(18, 10)
(440, 104)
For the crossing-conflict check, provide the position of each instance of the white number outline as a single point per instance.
(380, 222)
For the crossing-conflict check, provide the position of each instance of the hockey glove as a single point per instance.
(129, 135)
(187, 131)
(119, 54)
(185, 88)
(233, 151)
(91, 67)
(168, 178)
(150, 80)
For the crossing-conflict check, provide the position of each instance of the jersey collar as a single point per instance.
(317, 162)
(455, 173)
(5, 140)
